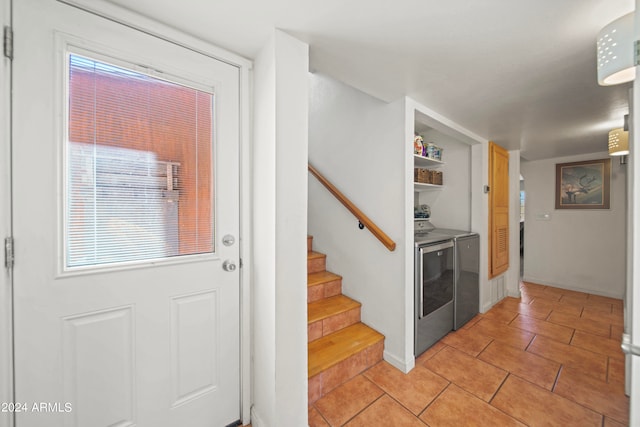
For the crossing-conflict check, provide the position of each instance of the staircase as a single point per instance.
(340, 346)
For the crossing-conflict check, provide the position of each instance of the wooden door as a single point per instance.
(498, 210)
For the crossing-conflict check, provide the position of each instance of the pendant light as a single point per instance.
(615, 52)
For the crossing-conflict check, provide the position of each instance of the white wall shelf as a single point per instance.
(419, 186)
(421, 161)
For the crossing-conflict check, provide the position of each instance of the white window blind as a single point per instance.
(139, 167)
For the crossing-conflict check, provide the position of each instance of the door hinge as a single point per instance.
(8, 42)
(8, 252)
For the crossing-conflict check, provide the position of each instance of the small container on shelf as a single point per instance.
(421, 212)
(436, 177)
(422, 175)
(438, 153)
(430, 150)
(433, 151)
(418, 147)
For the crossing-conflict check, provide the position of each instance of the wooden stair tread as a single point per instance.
(314, 279)
(315, 255)
(328, 307)
(329, 350)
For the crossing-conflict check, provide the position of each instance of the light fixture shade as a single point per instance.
(618, 142)
(615, 52)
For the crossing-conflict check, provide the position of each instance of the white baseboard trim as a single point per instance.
(487, 307)
(256, 421)
(514, 294)
(404, 366)
(544, 282)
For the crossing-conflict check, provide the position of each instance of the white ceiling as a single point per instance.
(519, 72)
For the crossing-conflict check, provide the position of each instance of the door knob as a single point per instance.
(229, 266)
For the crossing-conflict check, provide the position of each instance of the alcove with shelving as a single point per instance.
(450, 202)
(423, 162)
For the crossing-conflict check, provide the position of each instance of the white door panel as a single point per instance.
(148, 343)
(85, 338)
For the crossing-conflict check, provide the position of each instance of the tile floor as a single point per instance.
(550, 358)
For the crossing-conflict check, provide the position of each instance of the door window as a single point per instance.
(138, 166)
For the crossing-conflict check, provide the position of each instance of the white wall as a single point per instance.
(450, 207)
(480, 217)
(356, 141)
(280, 228)
(583, 250)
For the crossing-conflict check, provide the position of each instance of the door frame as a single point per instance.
(161, 31)
(6, 296)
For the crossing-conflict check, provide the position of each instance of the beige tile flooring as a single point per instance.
(551, 358)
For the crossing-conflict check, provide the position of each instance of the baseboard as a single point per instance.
(571, 288)
(256, 421)
(404, 366)
(487, 307)
(514, 294)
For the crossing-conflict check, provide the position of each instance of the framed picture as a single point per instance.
(583, 185)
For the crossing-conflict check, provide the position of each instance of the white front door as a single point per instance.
(125, 185)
